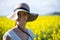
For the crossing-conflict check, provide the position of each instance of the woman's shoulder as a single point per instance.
(31, 32)
(7, 33)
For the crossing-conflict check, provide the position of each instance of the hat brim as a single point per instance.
(31, 17)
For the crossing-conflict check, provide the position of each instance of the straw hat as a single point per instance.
(25, 8)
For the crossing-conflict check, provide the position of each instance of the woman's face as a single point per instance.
(22, 17)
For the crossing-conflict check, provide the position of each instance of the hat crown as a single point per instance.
(23, 5)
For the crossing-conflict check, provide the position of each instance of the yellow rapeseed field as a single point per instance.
(44, 27)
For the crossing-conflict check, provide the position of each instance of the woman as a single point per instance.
(22, 15)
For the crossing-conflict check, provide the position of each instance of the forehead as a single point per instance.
(22, 12)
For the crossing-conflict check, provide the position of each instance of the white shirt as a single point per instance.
(13, 35)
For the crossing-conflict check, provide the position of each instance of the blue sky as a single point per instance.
(42, 7)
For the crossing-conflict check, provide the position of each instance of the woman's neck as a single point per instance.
(22, 27)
